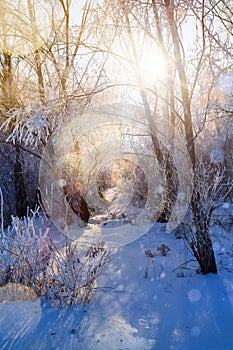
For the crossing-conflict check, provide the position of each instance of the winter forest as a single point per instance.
(116, 181)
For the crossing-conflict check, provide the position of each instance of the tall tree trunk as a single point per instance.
(40, 78)
(8, 91)
(159, 152)
(20, 192)
(202, 247)
(203, 250)
(9, 101)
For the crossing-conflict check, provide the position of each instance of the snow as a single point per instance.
(226, 205)
(18, 318)
(217, 156)
(174, 308)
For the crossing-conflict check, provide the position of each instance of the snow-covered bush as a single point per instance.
(72, 274)
(29, 257)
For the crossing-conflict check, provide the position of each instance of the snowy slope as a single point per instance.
(145, 303)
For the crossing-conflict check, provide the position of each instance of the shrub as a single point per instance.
(29, 257)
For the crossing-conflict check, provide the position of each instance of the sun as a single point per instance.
(151, 62)
(137, 59)
(145, 57)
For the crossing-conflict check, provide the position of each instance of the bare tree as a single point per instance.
(178, 95)
(41, 88)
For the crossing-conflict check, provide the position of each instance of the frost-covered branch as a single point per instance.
(29, 126)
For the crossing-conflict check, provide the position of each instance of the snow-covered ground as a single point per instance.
(146, 300)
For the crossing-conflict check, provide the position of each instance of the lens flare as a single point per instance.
(85, 147)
